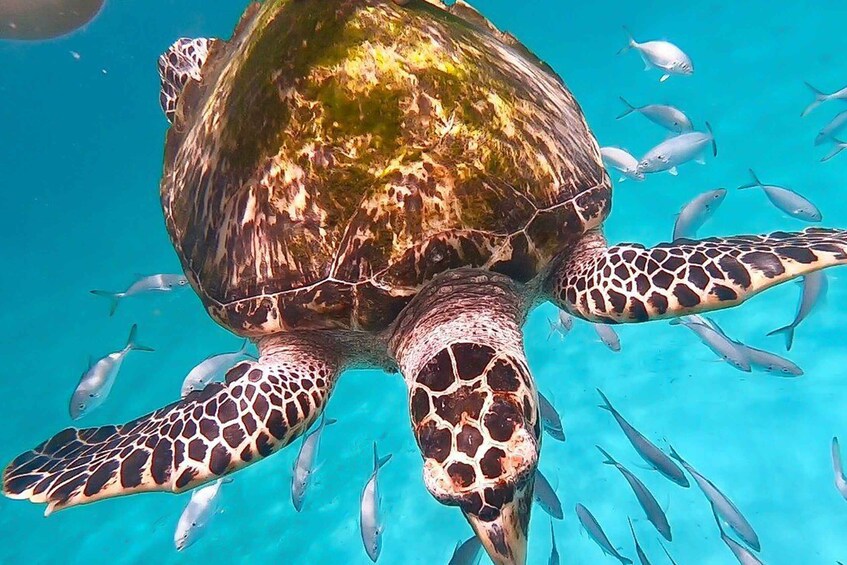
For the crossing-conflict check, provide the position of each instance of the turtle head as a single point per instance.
(495, 489)
(473, 404)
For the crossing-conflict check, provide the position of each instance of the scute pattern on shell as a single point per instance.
(337, 155)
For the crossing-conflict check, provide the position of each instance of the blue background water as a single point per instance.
(80, 165)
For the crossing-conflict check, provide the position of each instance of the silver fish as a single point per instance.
(96, 382)
(596, 533)
(197, 514)
(840, 480)
(642, 557)
(467, 552)
(694, 214)
(744, 556)
(832, 129)
(787, 200)
(550, 418)
(837, 147)
(722, 505)
(665, 116)
(210, 369)
(645, 498)
(651, 454)
(304, 465)
(661, 55)
(720, 344)
(370, 524)
(608, 336)
(152, 283)
(554, 551)
(620, 160)
(758, 358)
(546, 497)
(815, 286)
(771, 362)
(678, 150)
(821, 97)
(562, 325)
(565, 321)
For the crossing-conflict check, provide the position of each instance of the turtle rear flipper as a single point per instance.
(261, 408)
(631, 283)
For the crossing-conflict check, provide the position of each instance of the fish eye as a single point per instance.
(91, 395)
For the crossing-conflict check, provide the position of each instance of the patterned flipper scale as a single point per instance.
(260, 408)
(631, 283)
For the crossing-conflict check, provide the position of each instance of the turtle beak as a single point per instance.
(504, 536)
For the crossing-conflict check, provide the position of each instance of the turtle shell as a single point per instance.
(337, 155)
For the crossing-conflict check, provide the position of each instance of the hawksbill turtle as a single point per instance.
(389, 184)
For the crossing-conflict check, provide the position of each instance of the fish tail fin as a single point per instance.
(327, 421)
(114, 297)
(379, 463)
(609, 459)
(243, 349)
(131, 344)
(756, 182)
(674, 454)
(717, 520)
(625, 560)
(606, 404)
(714, 143)
(788, 332)
(820, 98)
(837, 148)
(553, 328)
(630, 41)
(629, 108)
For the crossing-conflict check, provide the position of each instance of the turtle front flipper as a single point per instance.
(473, 403)
(262, 407)
(180, 63)
(630, 283)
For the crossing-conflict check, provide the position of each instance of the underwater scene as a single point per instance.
(197, 246)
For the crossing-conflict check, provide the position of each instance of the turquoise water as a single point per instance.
(82, 159)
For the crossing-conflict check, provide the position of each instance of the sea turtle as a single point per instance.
(389, 184)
